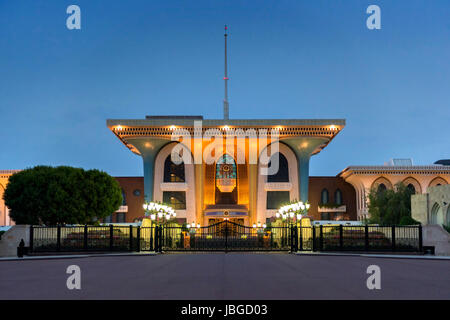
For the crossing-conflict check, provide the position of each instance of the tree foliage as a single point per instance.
(391, 207)
(61, 195)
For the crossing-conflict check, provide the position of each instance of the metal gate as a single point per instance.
(226, 236)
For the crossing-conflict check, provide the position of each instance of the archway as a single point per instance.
(436, 214)
(447, 220)
(226, 180)
(381, 184)
(413, 185)
(438, 181)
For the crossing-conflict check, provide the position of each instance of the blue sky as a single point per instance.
(288, 59)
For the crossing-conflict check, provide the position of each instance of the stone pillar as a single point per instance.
(149, 149)
(303, 148)
(149, 176)
(199, 171)
(303, 176)
(253, 215)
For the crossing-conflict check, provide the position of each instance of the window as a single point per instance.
(173, 172)
(120, 217)
(137, 192)
(338, 216)
(124, 198)
(381, 187)
(324, 197)
(338, 197)
(275, 199)
(107, 219)
(411, 188)
(175, 199)
(324, 216)
(226, 180)
(282, 174)
(226, 168)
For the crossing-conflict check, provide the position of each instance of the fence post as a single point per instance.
(294, 239)
(420, 238)
(138, 236)
(152, 237)
(31, 238)
(393, 238)
(85, 238)
(366, 238)
(111, 237)
(321, 238)
(341, 237)
(58, 238)
(156, 239)
(131, 237)
(160, 240)
(313, 238)
(301, 238)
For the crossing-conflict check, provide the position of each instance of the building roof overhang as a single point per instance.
(162, 127)
(395, 170)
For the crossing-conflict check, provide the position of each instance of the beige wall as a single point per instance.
(188, 186)
(11, 239)
(264, 186)
(435, 202)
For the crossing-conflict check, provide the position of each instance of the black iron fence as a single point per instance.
(360, 238)
(91, 238)
(225, 236)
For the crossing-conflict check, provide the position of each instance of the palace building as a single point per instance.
(226, 187)
(228, 183)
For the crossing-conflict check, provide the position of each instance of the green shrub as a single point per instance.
(61, 195)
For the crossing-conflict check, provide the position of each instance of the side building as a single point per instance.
(5, 220)
(418, 178)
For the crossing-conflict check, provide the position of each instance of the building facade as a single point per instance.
(228, 183)
(417, 178)
(340, 203)
(5, 220)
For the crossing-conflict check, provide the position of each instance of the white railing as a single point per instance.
(342, 208)
(123, 209)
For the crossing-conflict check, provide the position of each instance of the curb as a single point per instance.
(75, 256)
(368, 255)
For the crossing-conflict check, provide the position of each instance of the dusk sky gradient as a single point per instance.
(287, 59)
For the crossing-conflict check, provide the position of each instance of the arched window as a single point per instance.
(173, 172)
(226, 173)
(338, 197)
(381, 187)
(124, 198)
(324, 196)
(282, 175)
(411, 188)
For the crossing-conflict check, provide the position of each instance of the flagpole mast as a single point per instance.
(225, 78)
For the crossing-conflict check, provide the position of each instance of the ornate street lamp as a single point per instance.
(159, 213)
(293, 213)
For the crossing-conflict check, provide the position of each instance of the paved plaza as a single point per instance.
(226, 276)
